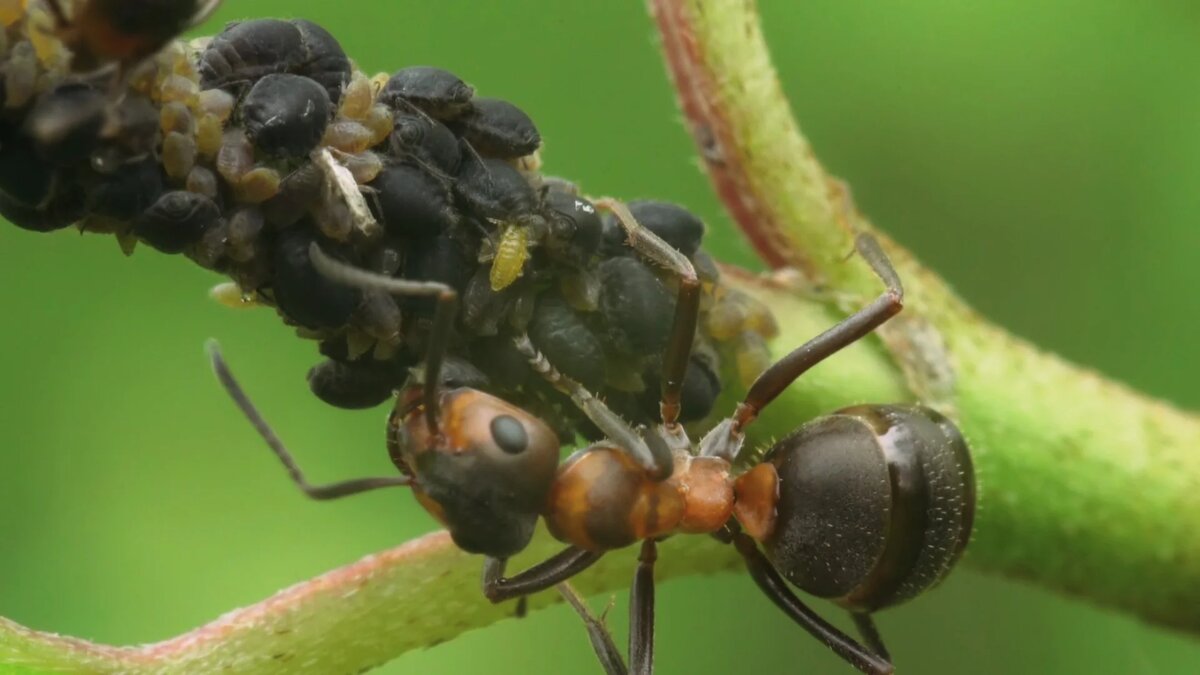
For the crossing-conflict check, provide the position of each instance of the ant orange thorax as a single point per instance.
(602, 498)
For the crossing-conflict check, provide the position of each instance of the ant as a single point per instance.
(125, 32)
(892, 485)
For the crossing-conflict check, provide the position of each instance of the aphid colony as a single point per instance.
(243, 150)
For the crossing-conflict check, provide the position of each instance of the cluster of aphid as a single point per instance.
(401, 220)
(243, 150)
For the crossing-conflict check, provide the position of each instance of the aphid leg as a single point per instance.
(870, 634)
(60, 17)
(774, 587)
(649, 450)
(443, 317)
(327, 491)
(553, 570)
(601, 639)
(687, 304)
(779, 376)
(641, 611)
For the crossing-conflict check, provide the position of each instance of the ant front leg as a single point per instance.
(550, 572)
(687, 304)
(779, 376)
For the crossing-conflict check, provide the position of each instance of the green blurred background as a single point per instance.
(1043, 156)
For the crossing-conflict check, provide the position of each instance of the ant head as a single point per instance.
(484, 471)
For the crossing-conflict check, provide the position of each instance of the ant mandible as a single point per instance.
(893, 485)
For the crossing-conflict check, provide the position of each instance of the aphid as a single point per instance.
(441, 259)
(257, 185)
(567, 341)
(298, 192)
(357, 100)
(285, 115)
(494, 190)
(65, 122)
(130, 189)
(348, 136)
(497, 128)
(512, 251)
(124, 32)
(177, 220)
(245, 226)
(236, 156)
(246, 51)
(636, 306)
(202, 181)
(365, 166)
(304, 294)
(176, 116)
(20, 75)
(437, 92)
(409, 202)
(426, 140)
(575, 228)
(353, 386)
(178, 154)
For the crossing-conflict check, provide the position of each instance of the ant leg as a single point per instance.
(779, 376)
(641, 611)
(687, 304)
(870, 634)
(553, 570)
(328, 491)
(775, 588)
(649, 451)
(443, 317)
(601, 639)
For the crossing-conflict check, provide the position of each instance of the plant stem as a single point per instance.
(1085, 486)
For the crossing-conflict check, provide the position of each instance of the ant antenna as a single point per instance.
(443, 316)
(327, 491)
(648, 449)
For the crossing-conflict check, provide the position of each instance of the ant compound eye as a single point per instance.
(509, 434)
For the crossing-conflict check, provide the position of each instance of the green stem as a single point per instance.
(1086, 487)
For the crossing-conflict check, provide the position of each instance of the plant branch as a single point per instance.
(1086, 487)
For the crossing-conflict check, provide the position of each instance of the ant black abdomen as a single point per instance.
(874, 504)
